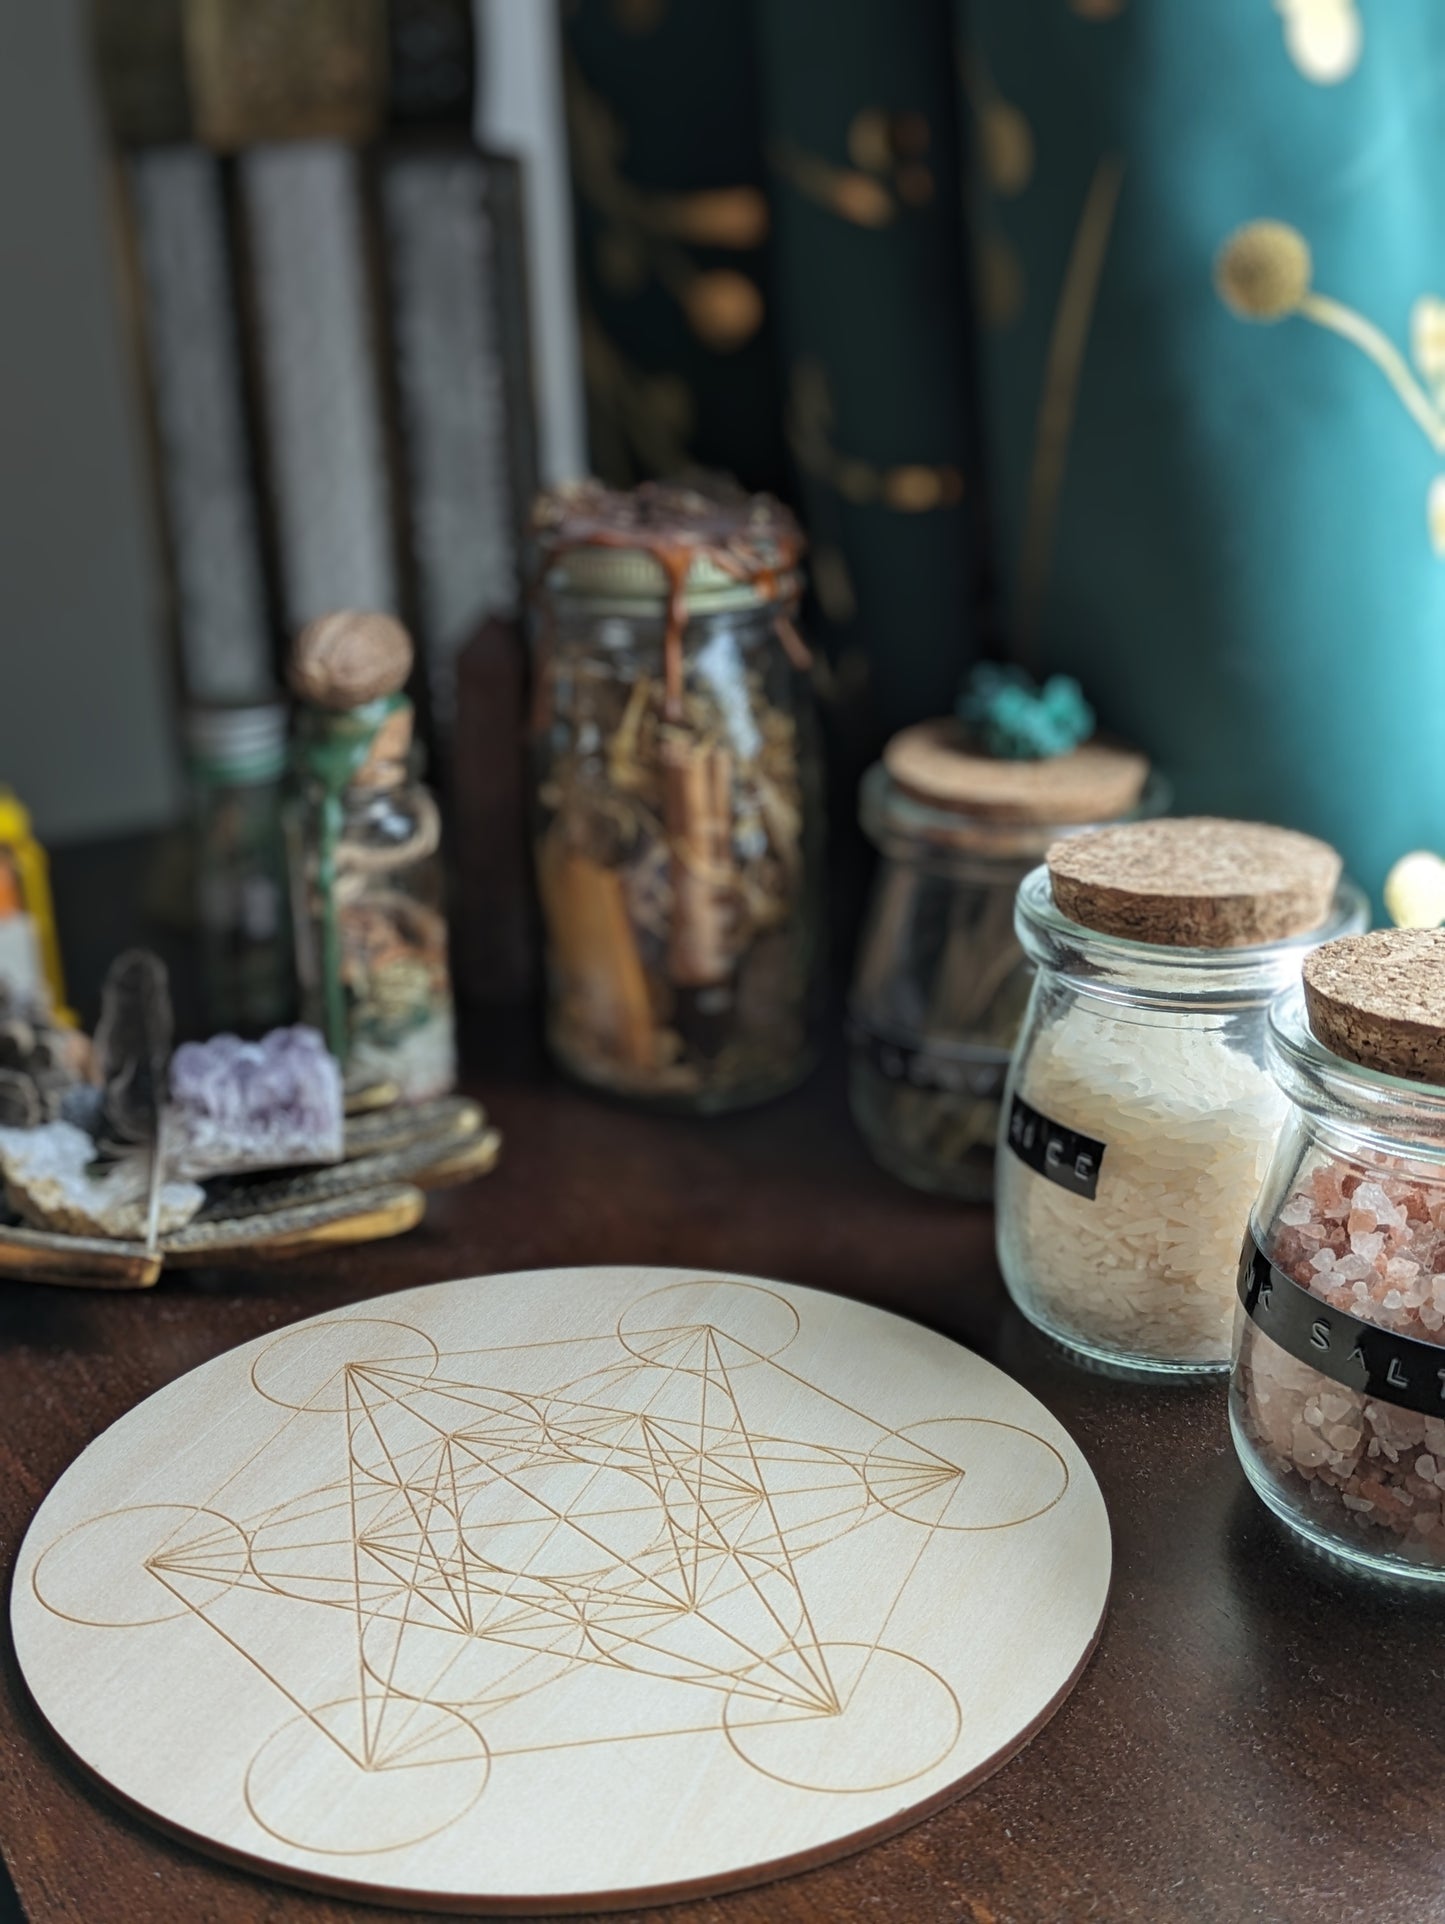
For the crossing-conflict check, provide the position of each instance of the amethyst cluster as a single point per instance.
(238, 1105)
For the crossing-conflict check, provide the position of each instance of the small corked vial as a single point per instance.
(363, 850)
(1337, 1397)
(940, 982)
(1139, 1116)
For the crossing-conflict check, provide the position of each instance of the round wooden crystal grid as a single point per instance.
(564, 1589)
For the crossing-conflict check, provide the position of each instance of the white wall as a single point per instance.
(519, 111)
(85, 735)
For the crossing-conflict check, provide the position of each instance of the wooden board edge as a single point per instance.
(66, 1262)
(446, 1119)
(368, 1099)
(474, 1157)
(721, 1885)
(385, 1213)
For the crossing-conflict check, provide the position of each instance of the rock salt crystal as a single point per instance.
(1370, 1465)
(1146, 1270)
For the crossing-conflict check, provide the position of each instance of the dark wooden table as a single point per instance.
(1258, 1738)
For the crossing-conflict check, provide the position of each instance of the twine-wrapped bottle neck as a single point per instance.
(355, 748)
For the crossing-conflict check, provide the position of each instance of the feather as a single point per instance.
(132, 1052)
(19, 1101)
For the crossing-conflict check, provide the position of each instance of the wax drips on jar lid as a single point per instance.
(1195, 882)
(1379, 1000)
(687, 551)
(715, 545)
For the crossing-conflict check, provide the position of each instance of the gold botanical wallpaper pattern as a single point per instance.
(644, 421)
(1059, 392)
(1265, 272)
(1324, 38)
(888, 168)
(888, 171)
(1005, 156)
(645, 236)
(911, 487)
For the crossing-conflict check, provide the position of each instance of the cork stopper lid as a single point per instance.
(1379, 1000)
(1195, 882)
(1094, 783)
(344, 659)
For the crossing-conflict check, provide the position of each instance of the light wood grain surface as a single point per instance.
(564, 1589)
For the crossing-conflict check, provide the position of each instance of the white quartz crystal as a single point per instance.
(48, 1183)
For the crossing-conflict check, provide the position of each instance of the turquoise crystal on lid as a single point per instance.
(1009, 715)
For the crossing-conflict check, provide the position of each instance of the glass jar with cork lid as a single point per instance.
(1337, 1399)
(679, 796)
(1139, 1116)
(940, 981)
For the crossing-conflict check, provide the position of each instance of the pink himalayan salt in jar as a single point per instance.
(1337, 1397)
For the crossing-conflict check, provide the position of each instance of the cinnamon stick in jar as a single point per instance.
(697, 780)
(702, 938)
(601, 982)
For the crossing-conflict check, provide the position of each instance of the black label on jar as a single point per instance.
(1376, 1362)
(1063, 1155)
(952, 1068)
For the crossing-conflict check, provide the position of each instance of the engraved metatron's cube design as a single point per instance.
(442, 1566)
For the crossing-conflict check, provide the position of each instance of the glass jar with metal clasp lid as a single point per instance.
(678, 814)
(941, 981)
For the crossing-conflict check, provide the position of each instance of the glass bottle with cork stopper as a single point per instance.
(679, 813)
(236, 756)
(940, 981)
(1139, 1117)
(365, 856)
(1337, 1398)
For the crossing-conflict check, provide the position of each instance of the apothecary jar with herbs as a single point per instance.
(941, 981)
(1139, 1115)
(678, 811)
(1337, 1400)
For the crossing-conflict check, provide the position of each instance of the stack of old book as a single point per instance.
(327, 284)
